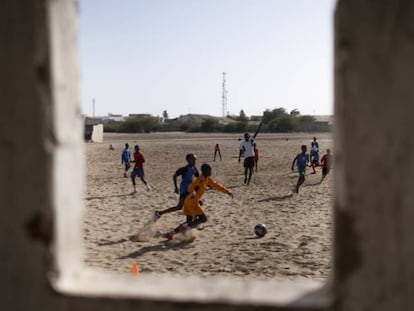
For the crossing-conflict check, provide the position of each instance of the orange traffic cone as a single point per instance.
(134, 269)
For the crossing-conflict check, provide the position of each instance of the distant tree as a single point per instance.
(185, 126)
(140, 124)
(235, 127)
(287, 124)
(112, 126)
(270, 115)
(209, 125)
(305, 119)
(165, 115)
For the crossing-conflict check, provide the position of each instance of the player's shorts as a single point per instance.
(127, 166)
(196, 220)
(325, 171)
(137, 171)
(249, 162)
(302, 171)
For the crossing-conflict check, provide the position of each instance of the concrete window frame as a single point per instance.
(41, 149)
(75, 279)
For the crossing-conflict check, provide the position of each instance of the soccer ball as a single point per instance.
(260, 230)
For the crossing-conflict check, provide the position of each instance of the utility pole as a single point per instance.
(224, 96)
(93, 107)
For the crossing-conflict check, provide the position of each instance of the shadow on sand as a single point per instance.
(277, 198)
(108, 196)
(163, 246)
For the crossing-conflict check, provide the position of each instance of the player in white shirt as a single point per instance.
(247, 150)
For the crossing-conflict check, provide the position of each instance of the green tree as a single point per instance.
(270, 115)
(278, 120)
(112, 126)
(209, 125)
(140, 124)
(306, 119)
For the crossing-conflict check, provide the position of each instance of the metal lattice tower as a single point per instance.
(224, 96)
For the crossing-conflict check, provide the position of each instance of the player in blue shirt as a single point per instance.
(126, 159)
(187, 174)
(302, 160)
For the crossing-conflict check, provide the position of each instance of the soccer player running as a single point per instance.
(326, 162)
(192, 209)
(126, 158)
(138, 169)
(187, 174)
(314, 157)
(302, 160)
(316, 143)
(247, 150)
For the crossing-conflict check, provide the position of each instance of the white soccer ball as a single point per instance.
(260, 230)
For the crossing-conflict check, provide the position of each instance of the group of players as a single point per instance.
(193, 184)
(304, 159)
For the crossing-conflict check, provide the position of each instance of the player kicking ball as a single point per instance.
(192, 209)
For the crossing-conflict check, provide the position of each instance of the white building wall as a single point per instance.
(97, 134)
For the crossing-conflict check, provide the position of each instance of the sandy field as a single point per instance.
(298, 243)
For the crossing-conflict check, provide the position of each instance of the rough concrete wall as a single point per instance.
(25, 137)
(41, 151)
(374, 253)
(374, 96)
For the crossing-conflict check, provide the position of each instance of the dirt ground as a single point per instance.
(298, 242)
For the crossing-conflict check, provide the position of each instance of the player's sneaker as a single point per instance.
(168, 236)
(156, 216)
(147, 186)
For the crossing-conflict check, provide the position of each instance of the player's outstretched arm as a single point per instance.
(258, 130)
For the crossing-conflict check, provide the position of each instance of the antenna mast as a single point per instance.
(224, 96)
(93, 107)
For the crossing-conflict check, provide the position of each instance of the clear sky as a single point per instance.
(147, 56)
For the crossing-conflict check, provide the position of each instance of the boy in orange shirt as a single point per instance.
(192, 208)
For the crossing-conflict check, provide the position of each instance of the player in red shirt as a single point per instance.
(138, 169)
(326, 162)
